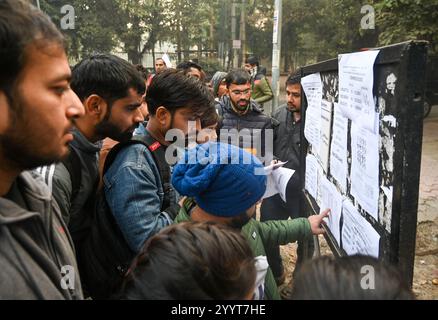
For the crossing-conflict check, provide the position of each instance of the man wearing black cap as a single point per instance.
(286, 148)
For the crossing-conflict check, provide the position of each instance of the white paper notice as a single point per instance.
(320, 175)
(325, 132)
(311, 180)
(356, 80)
(358, 236)
(312, 127)
(312, 86)
(332, 199)
(338, 150)
(277, 179)
(365, 169)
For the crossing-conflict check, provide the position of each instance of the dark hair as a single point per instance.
(106, 75)
(192, 260)
(252, 60)
(173, 90)
(209, 118)
(327, 278)
(21, 24)
(294, 78)
(185, 66)
(143, 71)
(237, 76)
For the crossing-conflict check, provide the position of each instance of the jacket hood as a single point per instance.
(33, 188)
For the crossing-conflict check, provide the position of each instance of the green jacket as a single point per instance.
(264, 234)
(261, 90)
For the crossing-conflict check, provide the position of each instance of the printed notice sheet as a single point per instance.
(332, 199)
(311, 179)
(325, 132)
(358, 235)
(312, 86)
(365, 169)
(356, 80)
(338, 150)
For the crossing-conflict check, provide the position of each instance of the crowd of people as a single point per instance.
(92, 207)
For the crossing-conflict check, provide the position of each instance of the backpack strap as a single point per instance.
(73, 165)
(158, 153)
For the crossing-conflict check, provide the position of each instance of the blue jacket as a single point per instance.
(134, 193)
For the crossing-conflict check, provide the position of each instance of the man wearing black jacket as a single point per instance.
(238, 111)
(286, 148)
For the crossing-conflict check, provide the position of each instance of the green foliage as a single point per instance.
(401, 20)
(312, 30)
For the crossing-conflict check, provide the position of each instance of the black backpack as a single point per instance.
(106, 257)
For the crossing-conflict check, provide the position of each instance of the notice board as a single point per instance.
(361, 146)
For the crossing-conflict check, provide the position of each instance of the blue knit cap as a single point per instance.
(224, 180)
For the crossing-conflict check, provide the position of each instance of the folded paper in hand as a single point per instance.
(277, 179)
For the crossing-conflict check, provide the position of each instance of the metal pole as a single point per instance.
(276, 54)
(38, 4)
(242, 33)
(233, 33)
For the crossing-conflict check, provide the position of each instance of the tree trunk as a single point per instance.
(178, 36)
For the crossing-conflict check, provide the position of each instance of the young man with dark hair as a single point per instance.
(287, 149)
(239, 111)
(329, 278)
(111, 91)
(37, 106)
(173, 100)
(191, 69)
(192, 255)
(261, 90)
(138, 199)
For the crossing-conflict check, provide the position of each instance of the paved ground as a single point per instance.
(428, 203)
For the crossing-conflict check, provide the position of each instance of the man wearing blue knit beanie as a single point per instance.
(224, 183)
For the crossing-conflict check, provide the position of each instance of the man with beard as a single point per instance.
(139, 198)
(238, 111)
(286, 148)
(111, 91)
(37, 107)
(224, 184)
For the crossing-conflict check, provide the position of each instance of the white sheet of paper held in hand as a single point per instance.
(356, 81)
(277, 179)
(358, 235)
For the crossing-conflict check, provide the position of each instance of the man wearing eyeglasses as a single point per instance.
(239, 112)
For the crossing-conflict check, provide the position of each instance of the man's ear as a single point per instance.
(95, 106)
(163, 116)
(4, 112)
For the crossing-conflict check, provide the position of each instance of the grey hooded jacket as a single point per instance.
(37, 259)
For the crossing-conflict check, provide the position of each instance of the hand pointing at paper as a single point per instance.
(317, 220)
